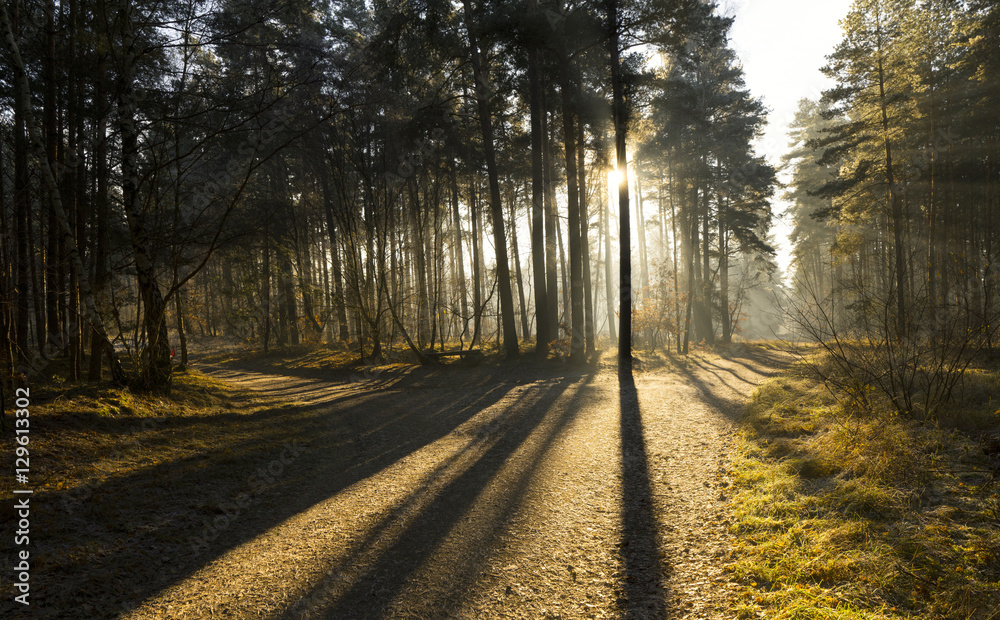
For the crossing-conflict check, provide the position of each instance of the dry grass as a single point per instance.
(80, 429)
(109, 466)
(335, 357)
(847, 516)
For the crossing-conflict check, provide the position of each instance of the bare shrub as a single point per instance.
(877, 368)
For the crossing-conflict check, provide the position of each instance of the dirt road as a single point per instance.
(495, 492)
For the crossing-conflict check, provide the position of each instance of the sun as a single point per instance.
(614, 178)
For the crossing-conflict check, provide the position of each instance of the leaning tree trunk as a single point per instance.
(24, 96)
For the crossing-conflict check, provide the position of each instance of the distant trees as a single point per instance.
(700, 154)
(894, 178)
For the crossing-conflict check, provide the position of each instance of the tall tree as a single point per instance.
(483, 92)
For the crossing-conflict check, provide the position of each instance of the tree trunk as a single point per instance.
(588, 299)
(462, 284)
(156, 367)
(53, 332)
(420, 266)
(577, 319)
(543, 332)
(567, 308)
(608, 271)
(304, 271)
(477, 266)
(265, 286)
(896, 209)
(625, 235)
(22, 208)
(518, 276)
(551, 228)
(727, 326)
(80, 273)
(331, 229)
(77, 185)
(640, 224)
(676, 269)
(706, 324)
(496, 208)
(181, 329)
(690, 260)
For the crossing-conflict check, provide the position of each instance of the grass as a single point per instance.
(873, 516)
(335, 357)
(106, 461)
(83, 434)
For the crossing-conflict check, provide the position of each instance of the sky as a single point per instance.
(783, 44)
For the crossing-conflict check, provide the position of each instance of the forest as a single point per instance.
(540, 189)
(390, 176)
(416, 176)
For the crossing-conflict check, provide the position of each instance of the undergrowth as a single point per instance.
(86, 433)
(839, 514)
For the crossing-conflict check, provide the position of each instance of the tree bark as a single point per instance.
(640, 224)
(588, 299)
(462, 284)
(896, 208)
(477, 266)
(551, 228)
(496, 208)
(543, 332)
(518, 276)
(608, 271)
(338, 276)
(577, 319)
(625, 240)
(118, 374)
(22, 207)
(156, 367)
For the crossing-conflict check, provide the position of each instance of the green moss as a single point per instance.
(840, 516)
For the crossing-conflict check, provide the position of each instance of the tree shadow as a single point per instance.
(644, 578)
(143, 516)
(764, 362)
(447, 510)
(731, 406)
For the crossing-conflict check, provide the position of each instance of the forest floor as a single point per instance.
(529, 490)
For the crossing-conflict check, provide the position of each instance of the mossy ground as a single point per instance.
(848, 515)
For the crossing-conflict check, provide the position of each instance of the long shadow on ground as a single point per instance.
(727, 399)
(148, 546)
(645, 593)
(450, 517)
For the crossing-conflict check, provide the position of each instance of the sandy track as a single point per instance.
(488, 493)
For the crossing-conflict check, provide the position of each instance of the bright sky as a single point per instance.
(783, 44)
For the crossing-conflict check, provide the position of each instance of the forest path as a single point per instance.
(497, 492)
